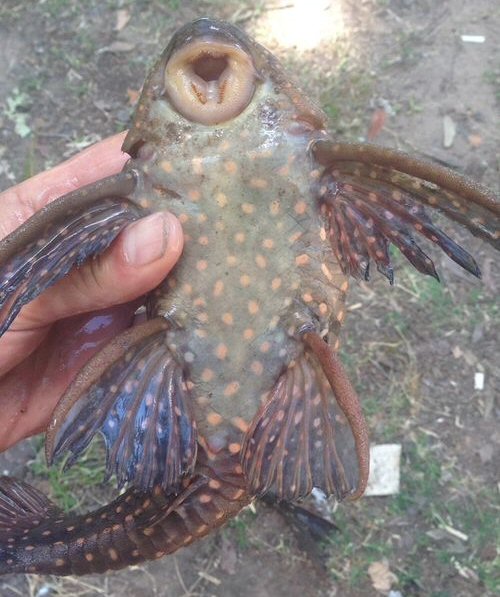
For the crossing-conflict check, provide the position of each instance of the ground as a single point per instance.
(69, 76)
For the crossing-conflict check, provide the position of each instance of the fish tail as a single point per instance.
(207, 503)
(36, 537)
(22, 509)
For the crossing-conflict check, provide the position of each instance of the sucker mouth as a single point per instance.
(210, 81)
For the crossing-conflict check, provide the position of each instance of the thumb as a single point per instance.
(138, 260)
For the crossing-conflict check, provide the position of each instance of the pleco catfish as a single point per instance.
(232, 388)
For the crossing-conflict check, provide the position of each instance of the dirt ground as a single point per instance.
(69, 74)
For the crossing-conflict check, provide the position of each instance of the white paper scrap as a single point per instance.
(473, 39)
(384, 470)
(479, 380)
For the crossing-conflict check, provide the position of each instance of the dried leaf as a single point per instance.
(377, 124)
(122, 18)
(382, 578)
(133, 96)
(475, 140)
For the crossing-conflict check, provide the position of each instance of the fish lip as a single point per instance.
(209, 30)
(210, 72)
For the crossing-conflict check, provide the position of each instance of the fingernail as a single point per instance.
(146, 240)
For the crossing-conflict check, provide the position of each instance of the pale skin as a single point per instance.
(39, 354)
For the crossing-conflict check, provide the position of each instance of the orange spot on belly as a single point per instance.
(230, 167)
(253, 307)
(300, 207)
(240, 424)
(261, 261)
(214, 419)
(228, 318)
(302, 260)
(257, 368)
(245, 280)
(234, 448)
(221, 199)
(276, 283)
(248, 334)
(221, 351)
(232, 388)
(218, 288)
(207, 375)
(166, 166)
(258, 183)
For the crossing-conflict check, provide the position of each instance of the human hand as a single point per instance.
(55, 334)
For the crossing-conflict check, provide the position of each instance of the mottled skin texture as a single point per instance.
(232, 388)
(257, 265)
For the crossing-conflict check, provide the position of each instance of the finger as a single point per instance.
(138, 260)
(98, 161)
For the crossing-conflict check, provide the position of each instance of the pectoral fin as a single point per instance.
(62, 235)
(310, 433)
(376, 196)
(133, 392)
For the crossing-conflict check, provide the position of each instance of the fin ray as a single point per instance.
(293, 442)
(133, 392)
(376, 196)
(22, 507)
(60, 236)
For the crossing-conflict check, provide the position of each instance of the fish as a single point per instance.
(232, 389)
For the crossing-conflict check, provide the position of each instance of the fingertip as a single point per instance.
(157, 237)
(138, 261)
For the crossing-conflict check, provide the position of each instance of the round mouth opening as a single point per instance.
(210, 67)
(210, 81)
